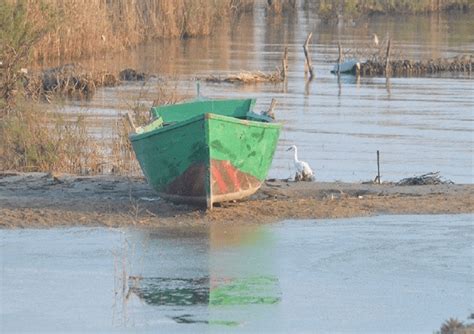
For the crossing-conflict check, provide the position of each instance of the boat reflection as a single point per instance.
(231, 284)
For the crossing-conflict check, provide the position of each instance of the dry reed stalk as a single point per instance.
(308, 67)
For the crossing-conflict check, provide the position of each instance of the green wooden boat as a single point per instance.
(206, 151)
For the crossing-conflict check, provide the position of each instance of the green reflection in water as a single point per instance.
(173, 291)
(245, 291)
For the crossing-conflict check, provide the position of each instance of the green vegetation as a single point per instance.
(245, 291)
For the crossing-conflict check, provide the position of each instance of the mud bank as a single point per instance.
(44, 200)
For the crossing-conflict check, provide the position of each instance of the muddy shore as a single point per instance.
(43, 200)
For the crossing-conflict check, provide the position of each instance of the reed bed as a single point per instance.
(78, 28)
(85, 28)
(33, 139)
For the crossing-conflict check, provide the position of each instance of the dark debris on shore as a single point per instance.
(73, 81)
(425, 179)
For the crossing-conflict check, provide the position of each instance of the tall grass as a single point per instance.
(91, 27)
(34, 139)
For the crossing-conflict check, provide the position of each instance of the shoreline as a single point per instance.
(42, 200)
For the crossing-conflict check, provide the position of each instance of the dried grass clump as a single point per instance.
(454, 326)
(425, 179)
(32, 139)
(406, 67)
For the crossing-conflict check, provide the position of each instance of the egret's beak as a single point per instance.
(289, 148)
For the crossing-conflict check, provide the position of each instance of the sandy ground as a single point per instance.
(45, 200)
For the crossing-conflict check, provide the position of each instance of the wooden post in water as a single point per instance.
(387, 59)
(284, 64)
(270, 112)
(339, 59)
(378, 167)
(308, 67)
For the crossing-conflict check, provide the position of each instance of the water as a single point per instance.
(418, 124)
(388, 273)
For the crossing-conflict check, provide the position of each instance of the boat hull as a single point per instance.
(207, 159)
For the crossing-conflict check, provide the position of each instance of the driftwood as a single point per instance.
(339, 58)
(425, 179)
(284, 65)
(246, 77)
(308, 67)
(270, 112)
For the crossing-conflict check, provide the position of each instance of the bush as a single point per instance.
(33, 139)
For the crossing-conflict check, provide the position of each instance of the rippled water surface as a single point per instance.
(418, 124)
(392, 273)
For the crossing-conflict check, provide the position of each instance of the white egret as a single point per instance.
(376, 40)
(303, 171)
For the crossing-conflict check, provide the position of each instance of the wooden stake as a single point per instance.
(269, 112)
(378, 167)
(387, 59)
(339, 59)
(284, 64)
(308, 66)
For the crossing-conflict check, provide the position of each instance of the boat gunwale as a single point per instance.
(140, 136)
(197, 100)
